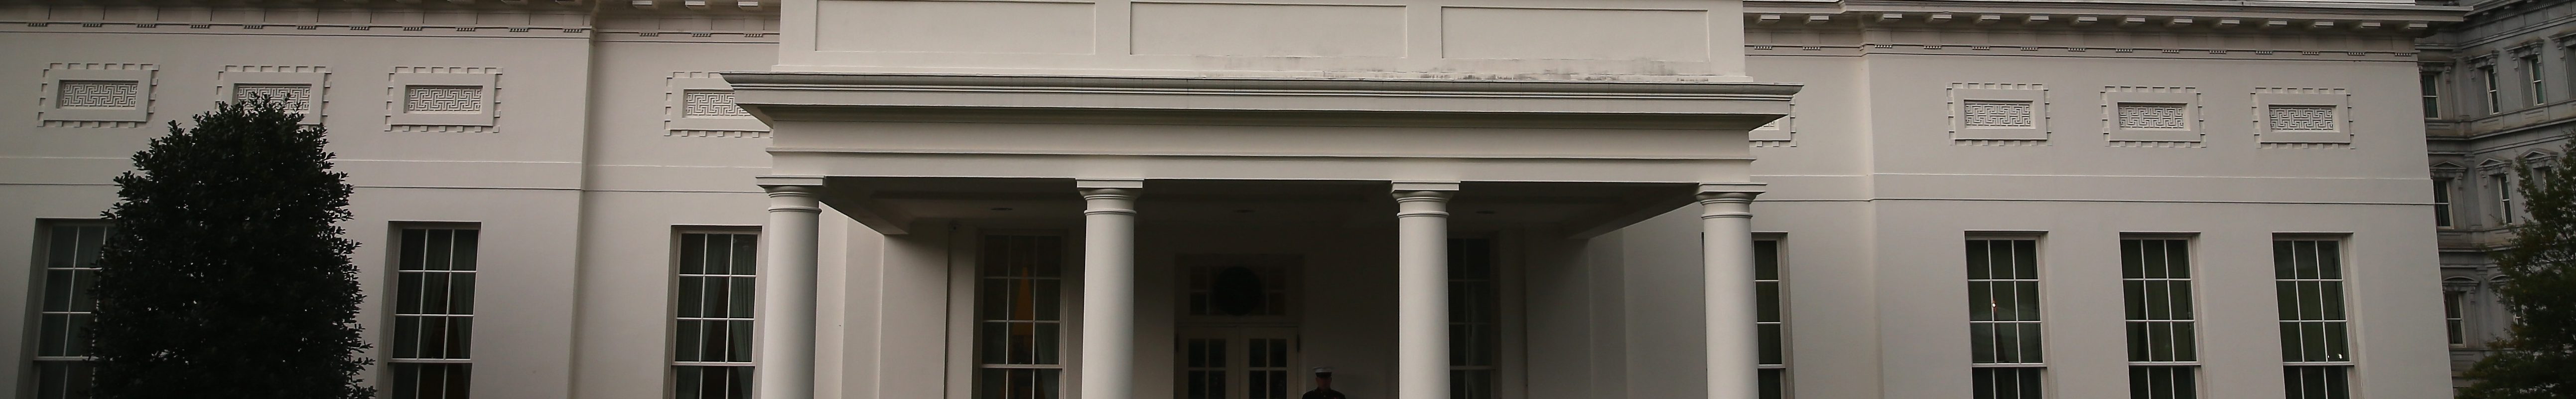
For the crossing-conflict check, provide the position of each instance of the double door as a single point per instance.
(1239, 362)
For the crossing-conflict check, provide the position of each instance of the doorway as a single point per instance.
(1238, 335)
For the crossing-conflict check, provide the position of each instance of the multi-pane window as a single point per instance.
(2308, 276)
(711, 357)
(2155, 279)
(1019, 331)
(2442, 202)
(2455, 293)
(1475, 333)
(2003, 317)
(2531, 69)
(433, 313)
(1769, 322)
(2495, 99)
(2432, 83)
(70, 255)
(2502, 185)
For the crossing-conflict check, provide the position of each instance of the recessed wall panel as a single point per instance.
(950, 26)
(1575, 34)
(1284, 30)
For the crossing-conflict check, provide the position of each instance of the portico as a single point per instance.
(1242, 190)
(1572, 159)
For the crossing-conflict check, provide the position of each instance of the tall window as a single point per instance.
(2441, 202)
(1769, 320)
(2308, 274)
(2455, 292)
(2003, 317)
(433, 313)
(70, 254)
(711, 357)
(2432, 83)
(2531, 70)
(2502, 183)
(1475, 333)
(2164, 357)
(1019, 332)
(2495, 99)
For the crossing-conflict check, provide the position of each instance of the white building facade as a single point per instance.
(1205, 199)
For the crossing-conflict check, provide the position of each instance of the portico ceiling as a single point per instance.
(891, 205)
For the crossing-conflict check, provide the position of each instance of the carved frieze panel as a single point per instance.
(95, 94)
(2302, 116)
(302, 89)
(2152, 113)
(700, 104)
(448, 99)
(1998, 111)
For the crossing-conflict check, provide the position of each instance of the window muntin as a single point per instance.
(2156, 287)
(2442, 202)
(2317, 382)
(69, 252)
(2315, 338)
(2003, 317)
(1770, 320)
(433, 313)
(1020, 334)
(2003, 300)
(1475, 327)
(2019, 382)
(712, 322)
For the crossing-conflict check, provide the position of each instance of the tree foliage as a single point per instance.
(2538, 360)
(226, 276)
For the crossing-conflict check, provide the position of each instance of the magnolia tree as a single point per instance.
(2538, 360)
(226, 276)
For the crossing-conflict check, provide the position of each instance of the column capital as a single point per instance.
(773, 183)
(1746, 190)
(1402, 186)
(1087, 184)
(793, 193)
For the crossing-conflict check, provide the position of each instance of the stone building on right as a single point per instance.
(2499, 91)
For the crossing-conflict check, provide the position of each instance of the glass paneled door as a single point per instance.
(1239, 363)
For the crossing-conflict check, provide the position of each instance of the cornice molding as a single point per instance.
(1434, 87)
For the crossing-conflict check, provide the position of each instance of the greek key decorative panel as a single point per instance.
(95, 95)
(447, 98)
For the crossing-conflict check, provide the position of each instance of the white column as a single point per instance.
(786, 368)
(1108, 367)
(1422, 290)
(1726, 227)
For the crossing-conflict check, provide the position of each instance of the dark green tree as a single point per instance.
(226, 276)
(2538, 360)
